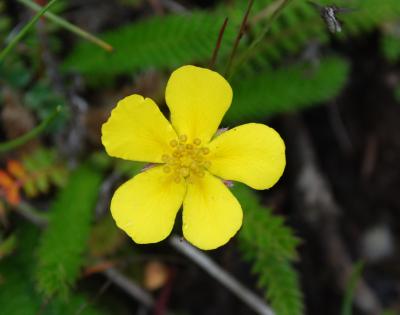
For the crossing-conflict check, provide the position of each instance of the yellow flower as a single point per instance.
(191, 162)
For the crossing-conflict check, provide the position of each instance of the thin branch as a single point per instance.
(174, 6)
(131, 288)
(218, 44)
(30, 214)
(253, 301)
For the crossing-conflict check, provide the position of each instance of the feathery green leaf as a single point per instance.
(161, 42)
(65, 240)
(271, 247)
(287, 89)
(300, 25)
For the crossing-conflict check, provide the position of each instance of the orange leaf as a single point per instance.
(12, 195)
(3, 214)
(16, 169)
(100, 267)
(5, 180)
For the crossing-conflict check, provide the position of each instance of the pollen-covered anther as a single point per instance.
(182, 138)
(166, 169)
(197, 141)
(173, 143)
(187, 160)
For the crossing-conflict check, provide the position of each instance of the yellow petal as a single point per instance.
(252, 153)
(198, 99)
(145, 207)
(211, 214)
(137, 130)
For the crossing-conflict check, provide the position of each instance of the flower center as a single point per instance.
(187, 159)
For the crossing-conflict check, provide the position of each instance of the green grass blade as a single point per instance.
(67, 25)
(25, 30)
(347, 305)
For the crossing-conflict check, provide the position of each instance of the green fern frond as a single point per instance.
(270, 246)
(63, 243)
(300, 24)
(286, 89)
(161, 42)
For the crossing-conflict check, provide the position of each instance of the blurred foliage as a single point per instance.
(63, 243)
(159, 42)
(347, 306)
(5, 23)
(105, 238)
(7, 246)
(287, 89)
(38, 94)
(43, 168)
(391, 46)
(35, 174)
(17, 290)
(300, 25)
(271, 248)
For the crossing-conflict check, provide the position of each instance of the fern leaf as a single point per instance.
(64, 241)
(286, 89)
(300, 23)
(161, 42)
(270, 246)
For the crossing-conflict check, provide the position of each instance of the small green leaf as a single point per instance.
(7, 246)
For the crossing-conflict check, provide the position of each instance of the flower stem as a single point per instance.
(239, 37)
(218, 44)
(253, 301)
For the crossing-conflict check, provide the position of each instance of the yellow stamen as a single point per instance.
(165, 158)
(187, 160)
(166, 169)
(197, 141)
(182, 138)
(205, 150)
